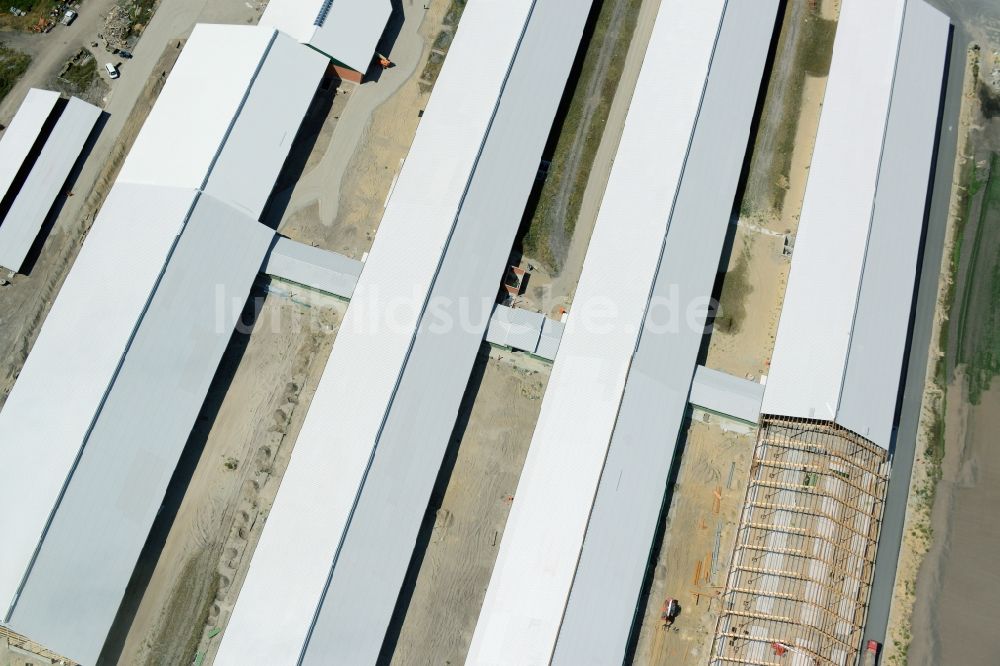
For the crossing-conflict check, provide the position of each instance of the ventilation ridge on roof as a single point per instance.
(324, 11)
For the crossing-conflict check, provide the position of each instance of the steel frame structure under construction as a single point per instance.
(802, 569)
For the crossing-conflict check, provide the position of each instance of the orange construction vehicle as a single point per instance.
(669, 611)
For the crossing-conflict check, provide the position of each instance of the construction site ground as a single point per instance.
(461, 535)
(705, 501)
(234, 459)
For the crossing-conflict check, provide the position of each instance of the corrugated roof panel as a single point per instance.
(28, 212)
(313, 267)
(22, 132)
(814, 332)
(258, 143)
(335, 444)
(725, 394)
(531, 580)
(202, 95)
(514, 327)
(351, 31)
(346, 30)
(548, 343)
(79, 578)
(372, 563)
(71, 365)
(613, 561)
(881, 323)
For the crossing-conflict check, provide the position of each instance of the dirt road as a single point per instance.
(466, 522)
(549, 293)
(338, 201)
(238, 449)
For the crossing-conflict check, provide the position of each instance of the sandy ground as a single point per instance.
(707, 497)
(935, 541)
(956, 613)
(242, 441)
(338, 202)
(547, 294)
(466, 518)
(747, 351)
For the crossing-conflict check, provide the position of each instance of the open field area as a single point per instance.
(804, 50)
(235, 457)
(465, 521)
(955, 479)
(547, 292)
(552, 224)
(13, 65)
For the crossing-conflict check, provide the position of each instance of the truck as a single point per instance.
(871, 653)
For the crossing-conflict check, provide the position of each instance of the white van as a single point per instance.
(112, 71)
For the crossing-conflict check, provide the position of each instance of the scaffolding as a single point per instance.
(18, 642)
(801, 573)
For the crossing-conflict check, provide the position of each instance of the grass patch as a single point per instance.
(735, 289)
(979, 349)
(576, 123)
(80, 73)
(37, 14)
(454, 13)
(439, 49)
(813, 51)
(187, 611)
(989, 100)
(13, 65)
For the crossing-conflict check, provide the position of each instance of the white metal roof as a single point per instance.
(69, 371)
(26, 215)
(814, 331)
(843, 329)
(371, 564)
(548, 342)
(77, 582)
(266, 123)
(514, 327)
(879, 340)
(335, 444)
(22, 132)
(346, 30)
(524, 603)
(71, 364)
(725, 394)
(239, 93)
(313, 267)
(607, 592)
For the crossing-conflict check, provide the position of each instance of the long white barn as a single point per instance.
(842, 335)
(248, 98)
(520, 618)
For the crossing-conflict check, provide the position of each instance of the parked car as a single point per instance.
(125, 54)
(112, 71)
(69, 17)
